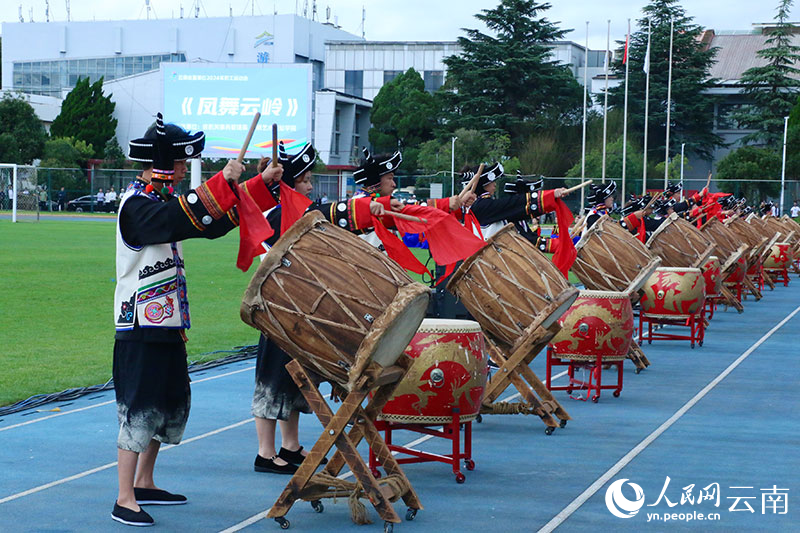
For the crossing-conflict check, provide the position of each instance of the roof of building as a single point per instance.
(737, 52)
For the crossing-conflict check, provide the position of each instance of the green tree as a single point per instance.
(772, 88)
(692, 113)
(750, 163)
(113, 156)
(403, 117)
(509, 82)
(64, 155)
(594, 166)
(22, 135)
(87, 114)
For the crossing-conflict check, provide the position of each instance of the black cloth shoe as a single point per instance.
(296, 457)
(268, 465)
(125, 516)
(157, 497)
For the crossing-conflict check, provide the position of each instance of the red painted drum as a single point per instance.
(780, 257)
(737, 276)
(712, 273)
(598, 322)
(674, 292)
(449, 371)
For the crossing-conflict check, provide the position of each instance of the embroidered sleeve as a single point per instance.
(352, 215)
(630, 223)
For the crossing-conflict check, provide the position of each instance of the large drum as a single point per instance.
(729, 245)
(750, 235)
(449, 372)
(780, 257)
(611, 259)
(334, 302)
(774, 225)
(679, 244)
(508, 284)
(672, 292)
(712, 274)
(599, 322)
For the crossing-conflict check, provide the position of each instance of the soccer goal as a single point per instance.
(21, 192)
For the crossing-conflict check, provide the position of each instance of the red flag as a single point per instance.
(293, 206)
(449, 241)
(253, 230)
(625, 56)
(472, 224)
(565, 255)
(397, 250)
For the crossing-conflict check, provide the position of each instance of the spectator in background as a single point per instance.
(795, 211)
(43, 200)
(101, 200)
(62, 199)
(774, 210)
(111, 200)
(324, 199)
(2, 199)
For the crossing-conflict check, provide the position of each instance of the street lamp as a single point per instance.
(783, 167)
(683, 145)
(453, 167)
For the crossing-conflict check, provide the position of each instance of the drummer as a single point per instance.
(601, 201)
(276, 398)
(526, 203)
(151, 380)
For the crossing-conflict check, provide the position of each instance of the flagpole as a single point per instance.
(646, 106)
(585, 91)
(669, 102)
(605, 102)
(625, 116)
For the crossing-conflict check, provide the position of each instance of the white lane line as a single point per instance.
(639, 448)
(263, 514)
(112, 465)
(101, 404)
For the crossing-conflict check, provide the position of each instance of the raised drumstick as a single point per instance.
(253, 125)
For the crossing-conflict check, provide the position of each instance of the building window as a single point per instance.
(433, 80)
(354, 82)
(357, 133)
(336, 133)
(389, 75)
(50, 78)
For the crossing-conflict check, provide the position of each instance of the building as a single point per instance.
(46, 59)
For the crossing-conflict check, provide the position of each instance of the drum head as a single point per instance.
(449, 325)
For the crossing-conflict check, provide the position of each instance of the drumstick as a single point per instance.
(243, 151)
(473, 182)
(274, 145)
(406, 217)
(578, 187)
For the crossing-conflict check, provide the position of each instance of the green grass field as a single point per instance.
(56, 303)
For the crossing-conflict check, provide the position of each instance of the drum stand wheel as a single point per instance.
(514, 370)
(307, 485)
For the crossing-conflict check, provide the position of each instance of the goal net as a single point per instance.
(21, 193)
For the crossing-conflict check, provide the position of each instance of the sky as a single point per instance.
(411, 20)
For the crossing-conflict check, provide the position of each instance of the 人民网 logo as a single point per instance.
(621, 506)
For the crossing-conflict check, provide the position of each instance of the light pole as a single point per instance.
(783, 167)
(683, 145)
(453, 167)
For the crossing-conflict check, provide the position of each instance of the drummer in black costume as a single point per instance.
(526, 204)
(151, 308)
(276, 396)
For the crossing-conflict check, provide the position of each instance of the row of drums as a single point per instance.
(343, 309)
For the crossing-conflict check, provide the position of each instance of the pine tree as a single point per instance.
(508, 82)
(403, 117)
(86, 115)
(771, 87)
(692, 113)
